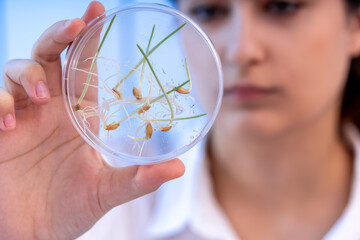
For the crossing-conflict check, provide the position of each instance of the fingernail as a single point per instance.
(42, 91)
(9, 121)
(67, 23)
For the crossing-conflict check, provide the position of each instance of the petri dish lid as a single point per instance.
(142, 84)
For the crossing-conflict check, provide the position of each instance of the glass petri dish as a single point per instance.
(142, 84)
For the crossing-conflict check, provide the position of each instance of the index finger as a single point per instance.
(55, 39)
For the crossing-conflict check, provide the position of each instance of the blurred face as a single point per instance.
(285, 62)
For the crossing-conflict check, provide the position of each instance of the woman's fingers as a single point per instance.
(55, 39)
(7, 116)
(118, 186)
(26, 79)
(52, 42)
(94, 9)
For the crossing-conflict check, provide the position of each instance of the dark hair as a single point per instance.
(350, 110)
(353, 3)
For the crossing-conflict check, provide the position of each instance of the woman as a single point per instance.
(283, 155)
(281, 162)
(279, 155)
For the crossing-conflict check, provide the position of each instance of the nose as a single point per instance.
(245, 48)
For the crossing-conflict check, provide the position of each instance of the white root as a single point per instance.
(110, 107)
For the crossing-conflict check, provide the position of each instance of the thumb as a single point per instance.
(117, 186)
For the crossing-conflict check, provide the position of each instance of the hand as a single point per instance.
(52, 184)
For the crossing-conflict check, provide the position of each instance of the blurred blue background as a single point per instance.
(23, 21)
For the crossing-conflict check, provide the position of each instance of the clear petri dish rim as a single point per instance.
(112, 157)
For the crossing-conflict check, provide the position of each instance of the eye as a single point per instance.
(207, 12)
(283, 7)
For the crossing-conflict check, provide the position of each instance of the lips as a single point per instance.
(248, 92)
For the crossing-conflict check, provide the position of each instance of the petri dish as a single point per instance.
(142, 84)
